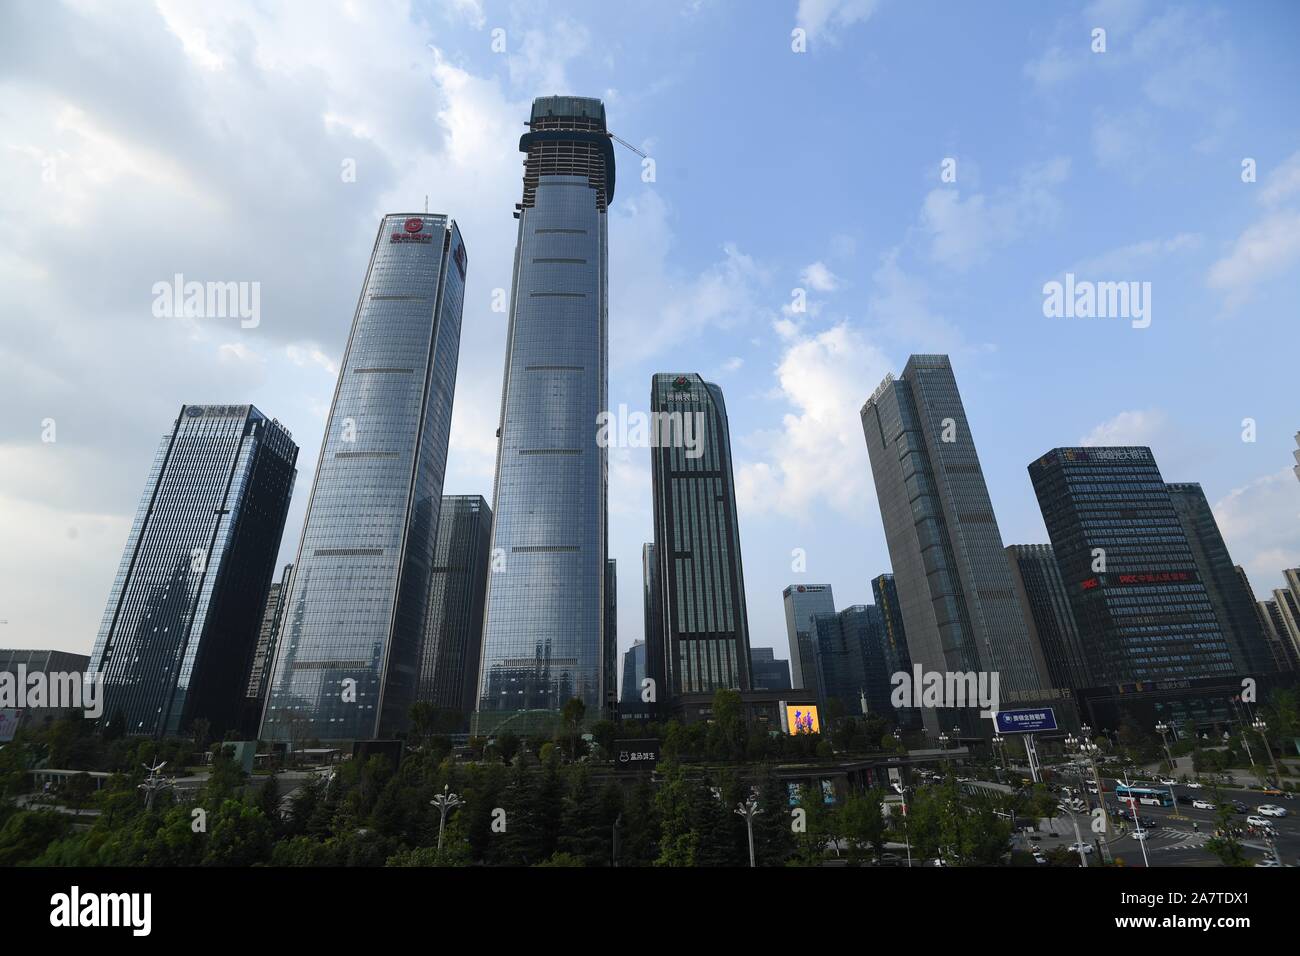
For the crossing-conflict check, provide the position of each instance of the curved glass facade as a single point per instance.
(347, 662)
(543, 633)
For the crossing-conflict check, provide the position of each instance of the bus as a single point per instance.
(1147, 796)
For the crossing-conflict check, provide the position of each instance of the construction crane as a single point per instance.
(626, 143)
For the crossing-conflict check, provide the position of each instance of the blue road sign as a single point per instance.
(1027, 721)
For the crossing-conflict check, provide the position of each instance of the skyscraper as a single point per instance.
(1278, 646)
(955, 589)
(697, 539)
(629, 699)
(850, 660)
(653, 599)
(769, 671)
(1147, 616)
(801, 602)
(543, 636)
(1048, 614)
(609, 656)
(453, 634)
(348, 662)
(898, 660)
(259, 675)
(1233, 605)
(180, 629)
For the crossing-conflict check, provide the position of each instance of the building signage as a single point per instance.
(459, 256)
(800, 719)
(414, 232)
(1027, 721)
(636, 754)
(1129, 580)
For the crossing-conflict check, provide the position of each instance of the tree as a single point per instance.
(572, 714)
(268, 800)
(773, 838)
(863, 824)
(678, 840)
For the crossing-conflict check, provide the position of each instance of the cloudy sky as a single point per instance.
(141, 140)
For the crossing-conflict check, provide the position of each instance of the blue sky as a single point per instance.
(161, 138)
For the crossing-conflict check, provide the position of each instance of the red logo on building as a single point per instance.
(414, 225)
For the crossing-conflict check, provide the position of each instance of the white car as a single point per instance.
(1257, 821)
(1194, 784)
(1140, 834)
(1268, 861)
(1085, 847)
(1168, 781)
(1272, 810)
(1202, 804)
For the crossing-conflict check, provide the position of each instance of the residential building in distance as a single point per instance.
(705, 631)
(1279, 646)
(453, 633)
(1233, 605)
(347, 665)
(543, 635)
(801, 602)
(955, 588)
(1148, 615)
(1048, 614)
(769, 672)
(180, 629)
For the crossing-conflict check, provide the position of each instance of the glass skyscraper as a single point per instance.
(1048, 614)
(955, 589)
(543, 636)
(259, 675)
(453, 634)
(801, 602)
(348, 661)
(897, 658)
(705, 633)
(180, 629)
(1233, 603)
(1148, 615)
(653, 613)
(851, 666)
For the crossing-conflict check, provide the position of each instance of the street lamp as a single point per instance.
(998, 742)
(1260, 726)
(445, 802)
(1163, 730)
(1088, 750)
(749, 809)
(153, 784)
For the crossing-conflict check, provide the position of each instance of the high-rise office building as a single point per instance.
(705, 632)
(259, 675)
(653, 613)
(55, 665)
(897, 659)
(458, 584)
(543, 637)
(850, 660)
(634, 661)
(180, 629)
(348, 662)
(955, 588)
(609, 656)
(1233, 605)
(769, 671)
(1285, 614)
(801, 602)
(1048, 614)
(1147, 616)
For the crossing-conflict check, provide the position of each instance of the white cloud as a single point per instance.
(818, 277)
(1139, 427)
(1260, 522)
(1268, 247)
(820, 17)
(818, 456)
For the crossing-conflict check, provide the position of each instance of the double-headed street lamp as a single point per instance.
(445, 802)
(749, 809)
(1260, 726)
(1088, 750)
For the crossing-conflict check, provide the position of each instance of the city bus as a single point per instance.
(1144, 795)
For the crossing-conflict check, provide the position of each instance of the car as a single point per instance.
(1238, 807)
(1168, 781)
(1038, 857)
(1255, 820)
(1194, 784)
(1185, 798)
(1085, 848)
(1271, 792)
(1200, 803)
(1268, 861)
(1271, 810)
(1140, 834)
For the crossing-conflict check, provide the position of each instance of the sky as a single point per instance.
(836, 184)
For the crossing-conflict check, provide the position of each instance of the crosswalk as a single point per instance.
(1169, 838)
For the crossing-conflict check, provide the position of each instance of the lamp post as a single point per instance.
(445, 802)
(1260, 726)
(153, 784)
(1137, 822)
(998, 742)
(749, 809)
(1088, 750)
(1163, 730)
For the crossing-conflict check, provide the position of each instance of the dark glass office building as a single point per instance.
(894, 634)
(849, 647)
(454, 627)
(653, 613)
(634, 662)
(1233, 604)
(180, 629)
(1148, 616)
(609, 657)
(543, 638)
(955, 589)
(769, 672)
(259, 676)
(1048, 614)
(801, 602)
(348, 662)
(697, 540)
